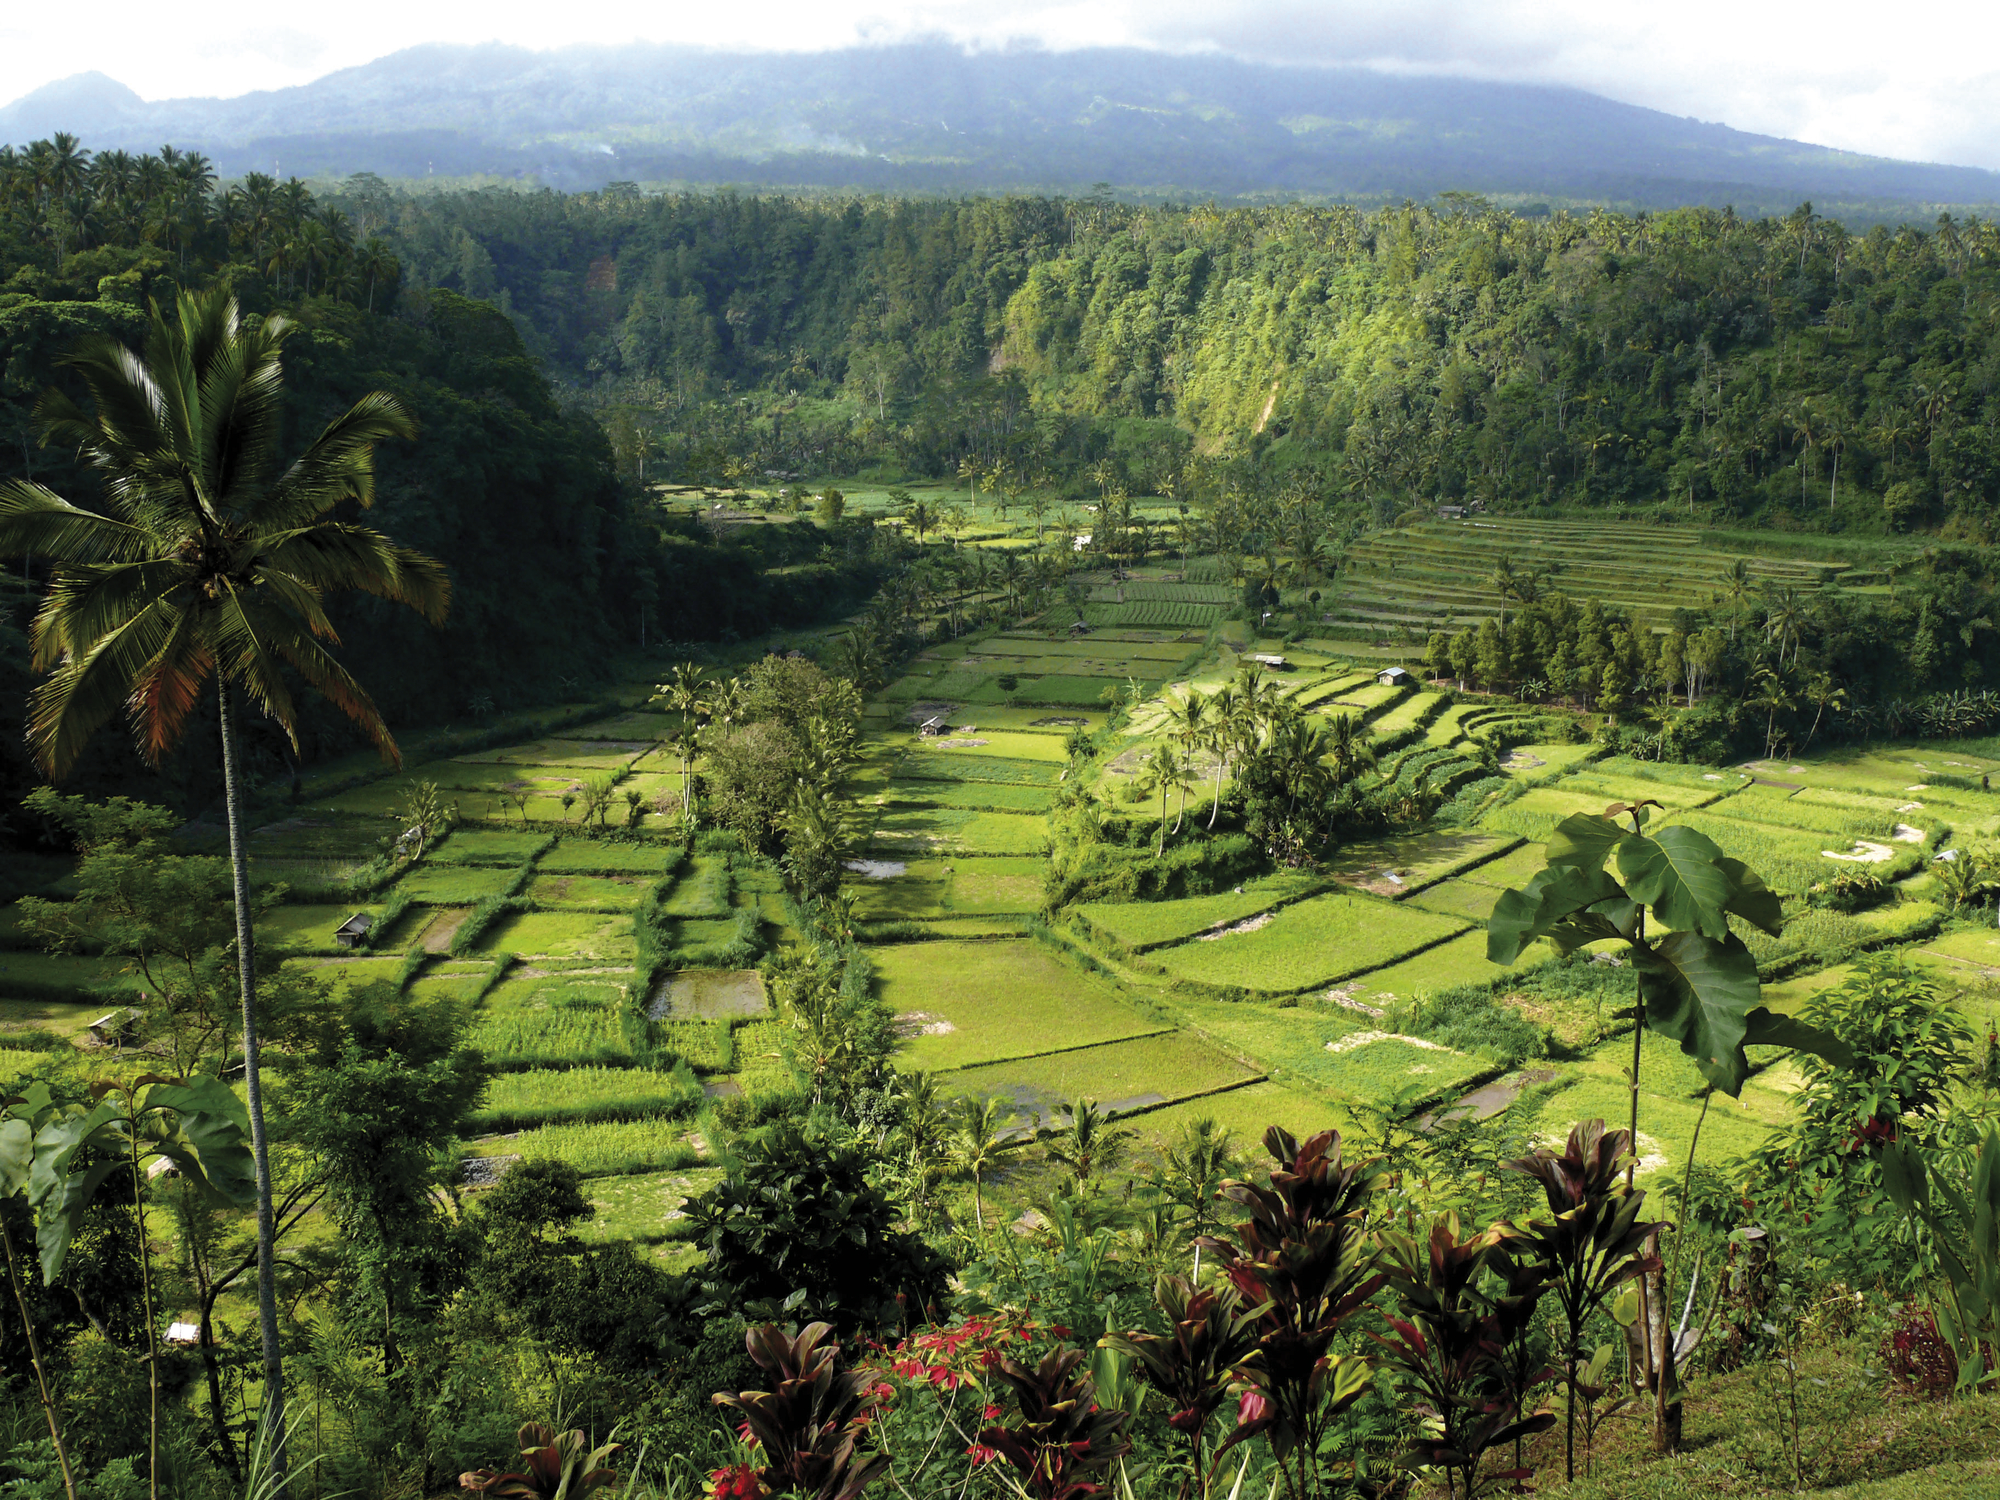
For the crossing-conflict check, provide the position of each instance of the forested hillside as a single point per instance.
(1784, 370)
(554, 563)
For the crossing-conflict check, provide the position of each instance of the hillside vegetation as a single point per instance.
(1784, 369)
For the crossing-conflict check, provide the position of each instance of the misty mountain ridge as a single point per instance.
(930, 117)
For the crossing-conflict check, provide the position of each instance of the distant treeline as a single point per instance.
(1775, 368)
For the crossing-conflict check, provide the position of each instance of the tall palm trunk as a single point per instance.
(246, 957)
(1221, 761)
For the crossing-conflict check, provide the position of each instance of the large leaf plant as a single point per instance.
(1670, 903)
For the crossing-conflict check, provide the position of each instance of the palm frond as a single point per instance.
(254, 641)
(167, 686)
(242, 401)
(86, 691)
(85, 604)
(34, 518)
(340, 464)
(330, 555)
(129, 422)
(300, 600)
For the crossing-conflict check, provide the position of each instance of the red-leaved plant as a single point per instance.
(1303, 1259)
(1592, 1243)
(1450, 1347)
(559, 1466)
(810, 1424)
(1061, 1439)
(1919, 1358)
(1211, 1330)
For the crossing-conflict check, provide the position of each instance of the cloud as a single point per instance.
(1917, 83)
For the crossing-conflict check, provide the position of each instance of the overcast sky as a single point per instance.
(1919, 79)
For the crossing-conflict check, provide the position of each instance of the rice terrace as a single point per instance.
(1354, 991)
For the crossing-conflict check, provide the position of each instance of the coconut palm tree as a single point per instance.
(1168, 774)
(685, 693)
(982, 1138)
(1227, 717)
(1737, 586)
(209, 562)
(1086, 1142)
(1347, 747)
(1784, 619)
(1188, 718)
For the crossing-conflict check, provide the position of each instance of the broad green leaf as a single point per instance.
(57, 1143)
(1621, 914)
(17, 1155)
(1583, 840)
(1675, 873)
(57, 1218)
(1700, 991)
(1588, 926)
(1519, 917)
(1905, 1177)
(204, 1094)
(1763, 1028)
(1755, 902)
(210, 1144)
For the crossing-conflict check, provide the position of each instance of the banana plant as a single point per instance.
(1965, 1229)
(19, 1120)
(198, 1125)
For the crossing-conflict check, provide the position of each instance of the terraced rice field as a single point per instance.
(963, 1003)
(1315, 942)
(1420, 576)
(1127, 1076)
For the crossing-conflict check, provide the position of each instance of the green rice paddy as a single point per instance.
(961, 1003)
(1317, 941)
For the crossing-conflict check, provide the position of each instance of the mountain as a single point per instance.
(930, 116)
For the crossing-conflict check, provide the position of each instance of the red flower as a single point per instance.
(1058, 1330)
(991, 1414)
(1252, 1408)
(737, 1482)
(981, 1454)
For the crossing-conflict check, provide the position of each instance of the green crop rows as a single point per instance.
(1318, 941)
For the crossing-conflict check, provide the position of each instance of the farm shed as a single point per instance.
(1268, 659)
(933, 726)
(1393, 677)
(115, 1026)
(353, 930)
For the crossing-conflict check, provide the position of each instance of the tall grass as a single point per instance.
(557, 1023)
